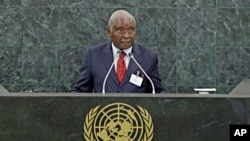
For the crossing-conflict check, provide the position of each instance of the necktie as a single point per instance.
(121, 67)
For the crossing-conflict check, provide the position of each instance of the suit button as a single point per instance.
(119, 89)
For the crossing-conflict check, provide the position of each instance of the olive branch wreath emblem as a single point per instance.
(90, 117)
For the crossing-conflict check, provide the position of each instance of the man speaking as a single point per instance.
(120, 65)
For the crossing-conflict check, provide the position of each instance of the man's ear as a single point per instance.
(108, 31)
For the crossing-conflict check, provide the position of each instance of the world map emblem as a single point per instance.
(118, 122)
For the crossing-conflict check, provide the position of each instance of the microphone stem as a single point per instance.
(153, 87)
(106, 77)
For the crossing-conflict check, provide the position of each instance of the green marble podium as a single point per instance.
(176, 117)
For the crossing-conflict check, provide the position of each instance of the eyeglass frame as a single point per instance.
(122, 31)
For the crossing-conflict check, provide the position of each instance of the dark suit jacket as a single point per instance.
(97, 62)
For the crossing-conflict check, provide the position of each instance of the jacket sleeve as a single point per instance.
(155, 76)
(85, 82)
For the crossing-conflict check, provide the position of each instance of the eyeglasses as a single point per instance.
(122, 31)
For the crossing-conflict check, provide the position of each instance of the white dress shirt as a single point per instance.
(126, 57)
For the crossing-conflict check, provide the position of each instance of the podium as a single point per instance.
(175, 117)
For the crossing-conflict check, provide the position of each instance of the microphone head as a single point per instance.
(119, 52)
(130, 55)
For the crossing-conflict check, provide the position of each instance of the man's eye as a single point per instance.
(120, 30)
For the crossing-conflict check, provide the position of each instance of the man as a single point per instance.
(111, 67)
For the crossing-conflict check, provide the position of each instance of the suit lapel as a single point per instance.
(107, 59)
(132, 67)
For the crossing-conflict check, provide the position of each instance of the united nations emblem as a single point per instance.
(118, 122)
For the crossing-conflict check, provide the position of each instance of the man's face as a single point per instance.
(122, 33)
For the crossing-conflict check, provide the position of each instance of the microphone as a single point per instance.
(106, 77)
(152, 84)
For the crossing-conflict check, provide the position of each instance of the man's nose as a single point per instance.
(126, 34)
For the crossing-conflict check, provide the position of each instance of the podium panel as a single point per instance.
(61, 117)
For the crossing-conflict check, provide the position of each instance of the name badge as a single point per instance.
(136, 80)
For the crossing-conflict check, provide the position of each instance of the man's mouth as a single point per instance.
(126, 42)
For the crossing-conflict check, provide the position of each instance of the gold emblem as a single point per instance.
(118, 122)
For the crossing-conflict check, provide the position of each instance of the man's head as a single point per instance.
(122, 29)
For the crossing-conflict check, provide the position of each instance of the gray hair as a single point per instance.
(120, 13)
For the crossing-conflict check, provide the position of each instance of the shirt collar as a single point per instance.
(115, 49)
